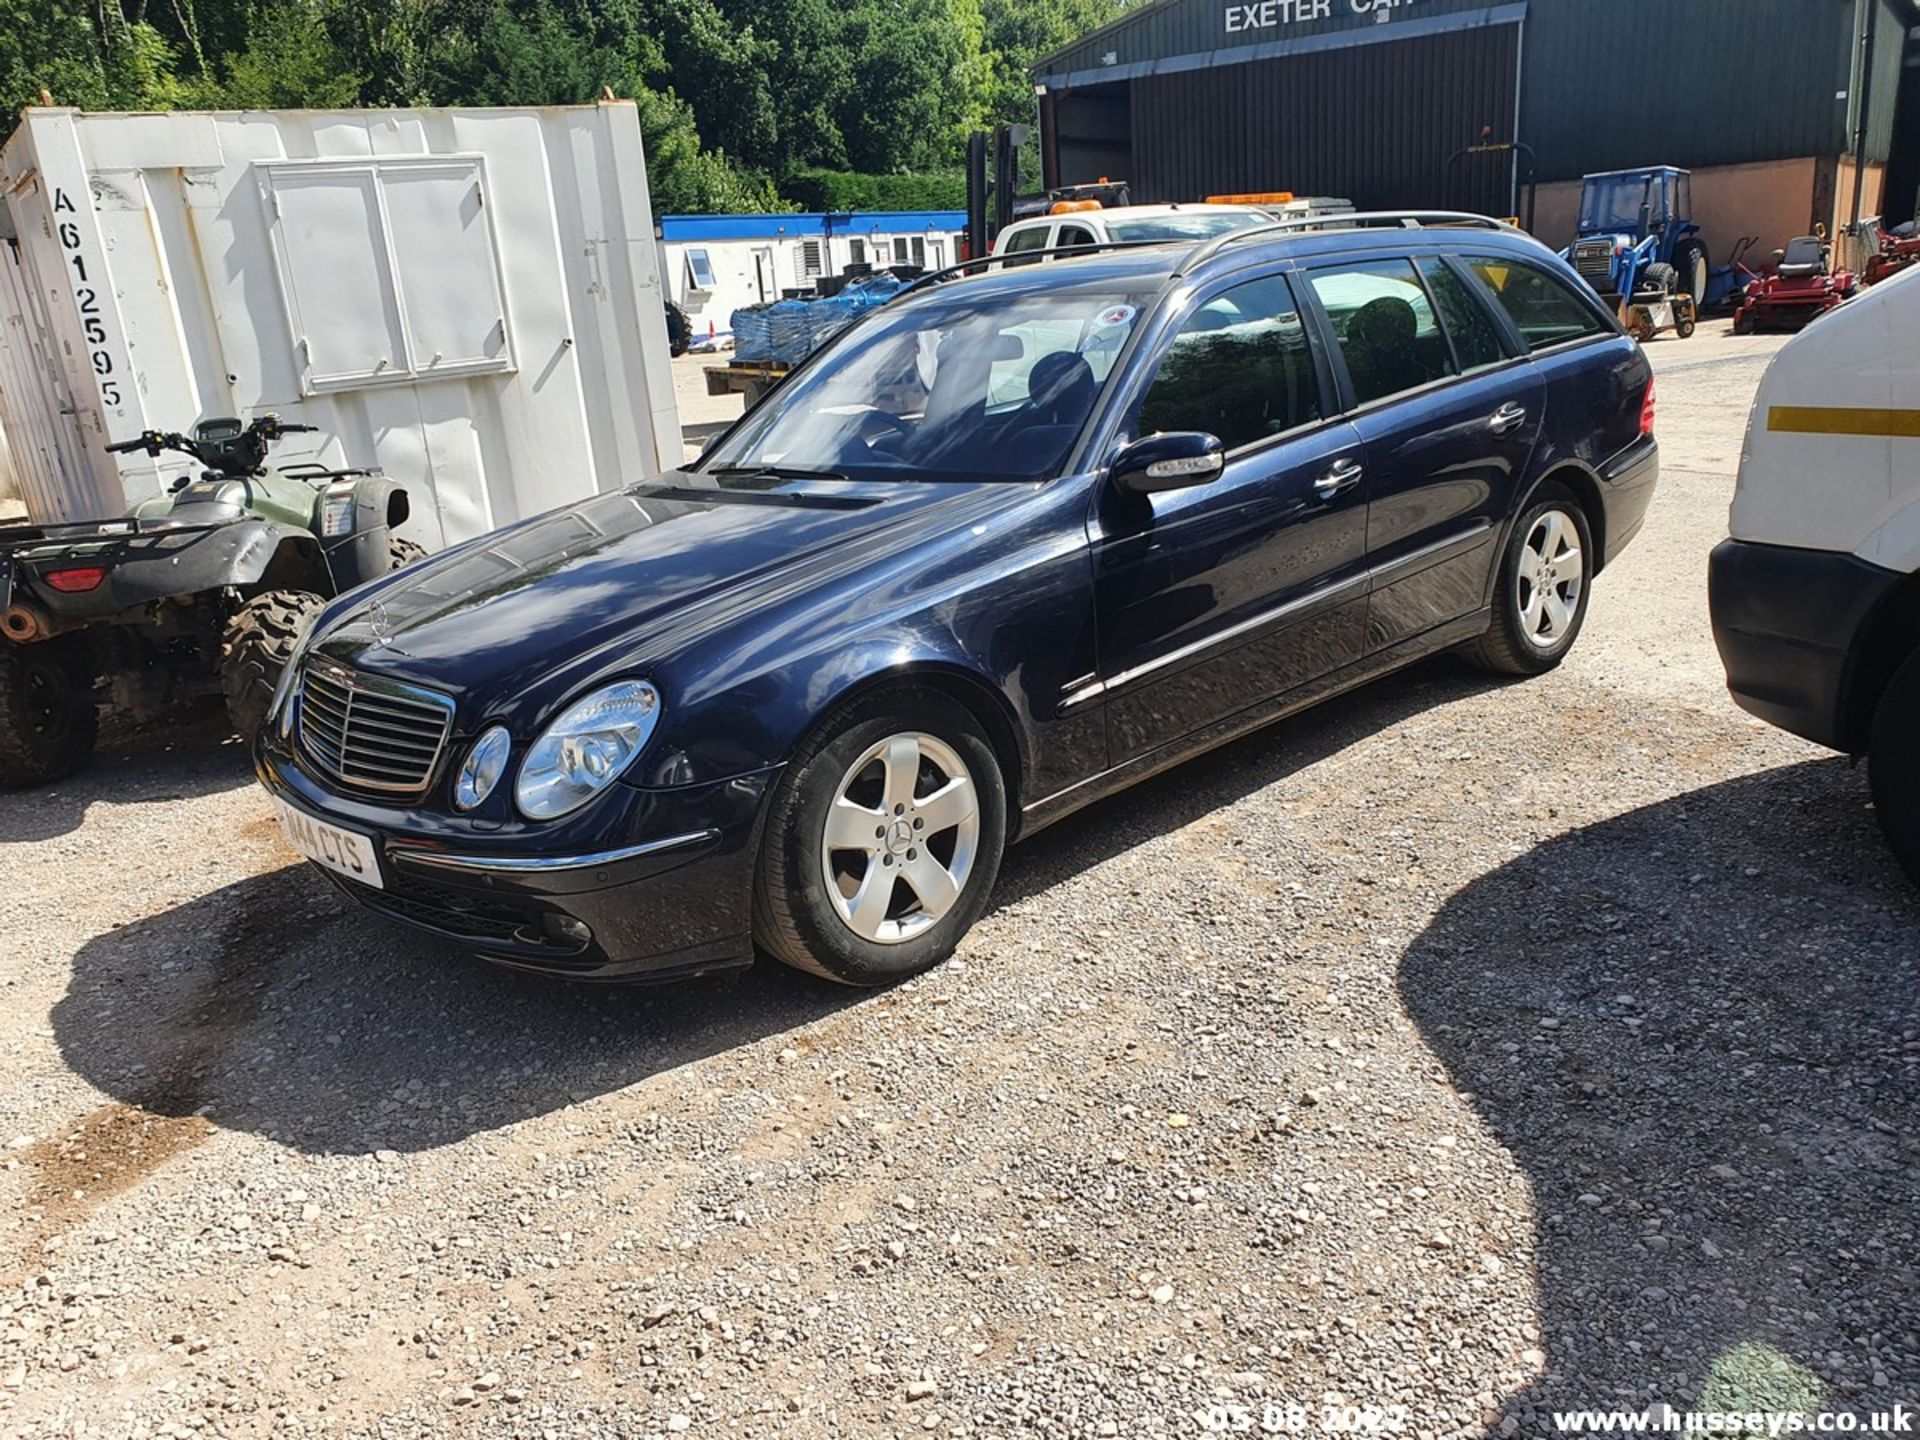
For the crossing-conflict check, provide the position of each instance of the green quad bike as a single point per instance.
(198, 592)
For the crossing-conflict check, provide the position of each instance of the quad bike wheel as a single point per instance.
(258, 642)
(402, 553)
(49, 711)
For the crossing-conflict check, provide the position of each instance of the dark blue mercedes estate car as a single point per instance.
(1015, 540)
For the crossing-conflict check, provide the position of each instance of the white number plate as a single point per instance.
(345, 852)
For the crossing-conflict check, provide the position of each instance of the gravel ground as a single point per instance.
(1482, 1049)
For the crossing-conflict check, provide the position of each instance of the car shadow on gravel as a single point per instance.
(276, 1006)
(192, 756)
(1697, 1029)
(1196, 788)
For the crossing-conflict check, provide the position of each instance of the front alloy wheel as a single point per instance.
(882, 840)
(901, 836)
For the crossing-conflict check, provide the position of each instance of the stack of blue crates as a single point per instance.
(788, 331)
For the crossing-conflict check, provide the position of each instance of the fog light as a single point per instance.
(568, 930)
(484, 766)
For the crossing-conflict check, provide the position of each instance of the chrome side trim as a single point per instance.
(1372, 579)
(1331, 595)
(544, 864)
(1431, 554)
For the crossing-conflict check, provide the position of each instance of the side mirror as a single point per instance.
(1169, 461)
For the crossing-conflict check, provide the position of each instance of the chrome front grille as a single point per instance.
(371, 733)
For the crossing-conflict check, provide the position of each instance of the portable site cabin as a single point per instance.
(716, 264)
(469, 299)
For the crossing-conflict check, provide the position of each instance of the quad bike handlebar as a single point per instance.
(221, 445)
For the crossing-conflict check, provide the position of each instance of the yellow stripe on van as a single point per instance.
(1843, 420)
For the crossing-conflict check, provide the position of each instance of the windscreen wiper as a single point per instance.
(777, 472)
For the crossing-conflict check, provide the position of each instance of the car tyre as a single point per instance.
(1540, 597)
(1893, 765)
(839, 902)
(49, 710)
(255, 648)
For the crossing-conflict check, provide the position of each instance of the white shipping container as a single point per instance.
(469, 299)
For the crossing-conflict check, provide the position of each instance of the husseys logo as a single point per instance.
(1279, 14)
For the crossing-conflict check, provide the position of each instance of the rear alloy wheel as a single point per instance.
(883, 841)
(49, 710)
(258, 642)
(1893, 766)
(1541, 600)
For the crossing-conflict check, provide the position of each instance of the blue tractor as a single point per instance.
(1640, 250)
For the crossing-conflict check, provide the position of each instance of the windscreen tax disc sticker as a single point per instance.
(1115, 315)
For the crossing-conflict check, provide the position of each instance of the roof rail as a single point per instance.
(1092, 247)
(1352, 220)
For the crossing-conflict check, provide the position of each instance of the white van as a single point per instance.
(1125, 222)
(1816, 596)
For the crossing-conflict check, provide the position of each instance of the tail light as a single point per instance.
(1646, 411)
(966, 248)
(71, 582)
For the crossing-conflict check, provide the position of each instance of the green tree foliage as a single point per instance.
(830, 101)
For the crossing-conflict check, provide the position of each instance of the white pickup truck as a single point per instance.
(1815, 596)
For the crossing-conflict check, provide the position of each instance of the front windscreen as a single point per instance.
(1200, 225)
(965, 384)
(1613, 203)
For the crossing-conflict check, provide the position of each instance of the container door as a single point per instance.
(36, 407)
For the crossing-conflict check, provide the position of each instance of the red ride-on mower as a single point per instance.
(1801, 288)
(1899, 248)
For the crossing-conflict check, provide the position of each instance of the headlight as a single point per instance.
(486, 762)
(586, 749)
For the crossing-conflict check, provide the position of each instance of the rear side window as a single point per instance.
(1388, 333)
(1542, 306)
(1476, 340)
(1239, 369)
(1034, 239)
(1074, 235)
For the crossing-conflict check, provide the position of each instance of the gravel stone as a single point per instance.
(1331, 947)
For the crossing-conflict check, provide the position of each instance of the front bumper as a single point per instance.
(662, 880)
(1788, 623)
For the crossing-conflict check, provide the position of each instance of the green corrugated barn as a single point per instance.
(1766, 101)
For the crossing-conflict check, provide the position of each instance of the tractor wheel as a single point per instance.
(49, 713)
(1692, 267)
(259, 641)
(1658, 278)
(402, 553)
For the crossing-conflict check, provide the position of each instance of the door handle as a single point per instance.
(1506, 418)
(1343, 476)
